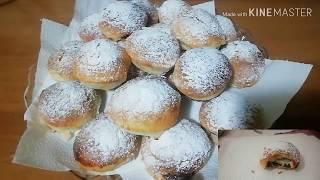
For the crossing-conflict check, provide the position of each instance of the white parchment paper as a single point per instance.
(41, 148)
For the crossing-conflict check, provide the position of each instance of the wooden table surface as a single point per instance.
(294, 38)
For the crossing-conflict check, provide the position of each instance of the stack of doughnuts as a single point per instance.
(146, 67)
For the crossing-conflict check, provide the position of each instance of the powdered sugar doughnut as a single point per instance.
(280, 155)
(171, 9)
(144, 106)
(61, 63)
(227, 27)
(153, 50)
(103, 64)
(102, 146)
(66, 106)
(180, 151)
(89, 29)
(230, 110)
(198, 28)
(247, 63)
(121, 18)
(202, 73)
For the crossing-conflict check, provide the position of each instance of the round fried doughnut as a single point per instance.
(144, 106)
(180, 151)
(247, 63)
(198, 28)
(102, 64)
(62, 62)
(153, 50)
(202, 73)
(65, 106)
(121, 18)
(102, 146)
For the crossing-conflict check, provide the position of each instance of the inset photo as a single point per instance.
(269, 154)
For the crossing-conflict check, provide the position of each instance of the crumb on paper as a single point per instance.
(252, 171)
(280, 172)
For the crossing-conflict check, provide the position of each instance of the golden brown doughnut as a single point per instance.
(280, 154)
(61, 63)
(153, 50)
(65, 106)
(198, 28)
(89, 29)
(144, 106)
(103, 64)
(121, 18)
(180, 151)
(247, 63)
(202, 73)
(102, 146)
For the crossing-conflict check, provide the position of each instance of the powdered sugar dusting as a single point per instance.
(163, 27)
(62, 63)
(184, 147)
(204, 69)
(72, 46)
(156, 46)
(65, 99)
(227, 27)
(230, 110)
(143, 96)
(99, 55)
(171, 9)
(145, 4)
(282, 147)
(89, 26)
(103, 142)
(125, 15)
